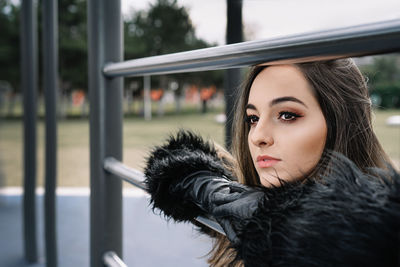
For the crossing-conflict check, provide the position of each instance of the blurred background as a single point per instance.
(190, 100)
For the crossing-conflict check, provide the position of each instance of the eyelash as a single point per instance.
(292, 114)
(252, 119)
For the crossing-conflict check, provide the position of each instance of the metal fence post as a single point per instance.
(29, 66)
(234, 34)
(104, 45)
(146, 98)
(50, 77)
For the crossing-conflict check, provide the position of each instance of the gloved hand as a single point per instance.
(186, 179)
(228, 202)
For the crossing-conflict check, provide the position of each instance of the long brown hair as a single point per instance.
(342, 93)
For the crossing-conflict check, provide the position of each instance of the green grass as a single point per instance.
(73, 145)
(138, 137)
(388, 136)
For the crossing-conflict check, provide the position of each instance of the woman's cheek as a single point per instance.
(304, 147)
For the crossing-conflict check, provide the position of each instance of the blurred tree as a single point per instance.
(383, 70)
(9, 43)
(73, 44)
(383, 76)
(164, 28)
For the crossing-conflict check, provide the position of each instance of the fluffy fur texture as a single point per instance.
(347, 218)
(168, 164)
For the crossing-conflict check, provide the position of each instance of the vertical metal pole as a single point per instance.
(29, 66)
(146, 96)
(105, 45)
(234, 34)
(50, 75)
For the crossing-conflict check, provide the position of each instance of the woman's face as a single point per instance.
(287, 128)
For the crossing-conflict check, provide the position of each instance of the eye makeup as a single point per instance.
(288, 116)
(251, 119)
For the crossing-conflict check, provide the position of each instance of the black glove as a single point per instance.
(229, 203)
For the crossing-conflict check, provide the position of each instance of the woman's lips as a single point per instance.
(266, 161)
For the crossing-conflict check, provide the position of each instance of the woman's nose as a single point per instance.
(261, 135)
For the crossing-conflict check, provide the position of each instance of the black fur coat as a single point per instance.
(348, 218)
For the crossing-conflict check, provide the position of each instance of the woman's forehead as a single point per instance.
(278, 81)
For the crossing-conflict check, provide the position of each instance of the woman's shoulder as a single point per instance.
(346, 218)
(345, 184)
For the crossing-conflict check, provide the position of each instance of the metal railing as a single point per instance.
(29, 84)
(136, 178)
(111, 259)
(374, 38)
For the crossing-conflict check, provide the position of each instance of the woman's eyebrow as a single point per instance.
(286, 98)
(250, 106)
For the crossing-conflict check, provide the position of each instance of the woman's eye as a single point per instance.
(288, 116)
(251, 119)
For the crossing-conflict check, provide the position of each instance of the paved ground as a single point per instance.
(148, 239)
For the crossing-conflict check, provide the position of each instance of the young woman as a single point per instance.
(314, 185)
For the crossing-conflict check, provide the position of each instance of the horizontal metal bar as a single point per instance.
(111, 259)
(367, 39)
(126, 173)
(210, 223)
(137, 178)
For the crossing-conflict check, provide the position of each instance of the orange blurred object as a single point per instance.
(156, 94)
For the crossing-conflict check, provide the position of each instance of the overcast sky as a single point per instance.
(269, 18)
